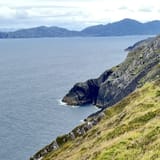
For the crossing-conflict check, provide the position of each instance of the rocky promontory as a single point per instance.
(131, 126)
(119, 81)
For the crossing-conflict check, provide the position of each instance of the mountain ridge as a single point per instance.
(123, 27)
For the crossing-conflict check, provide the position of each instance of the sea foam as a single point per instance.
(61, 103)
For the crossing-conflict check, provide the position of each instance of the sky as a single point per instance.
(74, 14)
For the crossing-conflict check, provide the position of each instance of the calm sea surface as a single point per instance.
(35, 74)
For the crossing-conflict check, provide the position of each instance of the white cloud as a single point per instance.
(74, 13)
(6, 12)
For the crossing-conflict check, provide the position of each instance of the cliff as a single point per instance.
(129, 129)
(117, 82)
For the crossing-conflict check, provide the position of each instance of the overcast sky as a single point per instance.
(74, 14)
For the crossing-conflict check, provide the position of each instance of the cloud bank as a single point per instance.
(74, 14)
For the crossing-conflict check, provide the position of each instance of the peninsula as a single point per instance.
(127, 127)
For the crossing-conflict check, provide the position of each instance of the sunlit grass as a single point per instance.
(130, 130)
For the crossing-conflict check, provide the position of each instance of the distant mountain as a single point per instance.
(3, 35)
(120, 28)
(38, 32)
(123, 27)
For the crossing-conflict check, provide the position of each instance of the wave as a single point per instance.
(61, 103)
(82, 121)
(97, 108)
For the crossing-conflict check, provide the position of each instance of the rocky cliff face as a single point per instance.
(128, 128)
(141, 65)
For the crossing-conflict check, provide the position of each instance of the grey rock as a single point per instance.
(116, 83)
(87, 92)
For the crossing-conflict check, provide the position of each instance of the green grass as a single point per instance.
(130, 130)
(158, 93)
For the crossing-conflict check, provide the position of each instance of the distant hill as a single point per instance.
(39, 32)
(120, 28)
(123, 27)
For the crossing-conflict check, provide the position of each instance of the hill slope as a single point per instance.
(128, 130)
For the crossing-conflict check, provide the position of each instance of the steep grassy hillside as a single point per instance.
(129, 130)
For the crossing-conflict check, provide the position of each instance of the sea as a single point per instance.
(35, 74)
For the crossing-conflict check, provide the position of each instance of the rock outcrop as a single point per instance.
(87, 92)
(79, 131)
(121, 80)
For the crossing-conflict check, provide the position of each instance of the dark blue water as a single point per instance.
(35, 74)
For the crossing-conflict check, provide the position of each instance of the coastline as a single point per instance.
(95, 118)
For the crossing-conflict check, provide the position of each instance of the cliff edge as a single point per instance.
(119, 81)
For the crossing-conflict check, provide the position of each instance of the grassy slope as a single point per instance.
(129, 130)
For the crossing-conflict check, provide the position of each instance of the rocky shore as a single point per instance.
(76, 132)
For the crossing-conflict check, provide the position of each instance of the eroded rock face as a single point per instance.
(118, 82)
(86, 92)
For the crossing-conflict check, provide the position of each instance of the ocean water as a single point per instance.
(34, 76)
